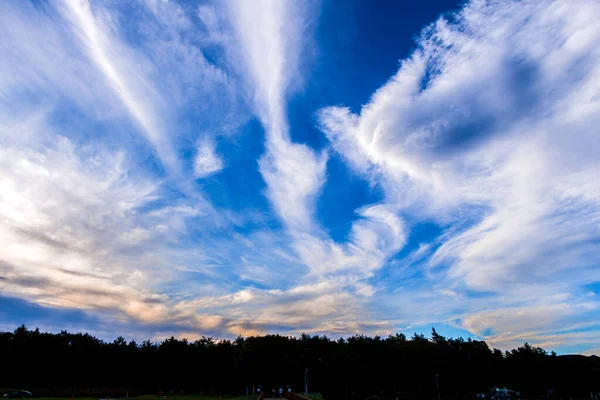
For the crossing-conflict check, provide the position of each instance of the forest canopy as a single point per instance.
(75, 363)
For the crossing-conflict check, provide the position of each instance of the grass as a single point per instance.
(315, 396)
(157, 397)
(59, 398)
(195, 397)
(169, 397)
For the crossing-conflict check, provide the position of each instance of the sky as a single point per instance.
(225, 168)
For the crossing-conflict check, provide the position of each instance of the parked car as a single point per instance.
(20, 394)
(503, 394)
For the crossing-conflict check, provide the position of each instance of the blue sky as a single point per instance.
(223, 168)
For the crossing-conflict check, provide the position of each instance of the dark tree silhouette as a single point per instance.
(353, 368)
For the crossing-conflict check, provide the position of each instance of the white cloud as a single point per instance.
(213, 24)
(60, 213)
(489, 129)
(86, 224)
(491, 120)
(547, 324)
(271, 37)
(207, 161)
(46, 63)
(75, 235)
(122, 69)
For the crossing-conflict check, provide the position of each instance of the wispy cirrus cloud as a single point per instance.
(86, 222)
(116, 199)
(491, 119)
(295, 173)
(118, 65)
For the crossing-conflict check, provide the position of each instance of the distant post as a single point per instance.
(306, 381)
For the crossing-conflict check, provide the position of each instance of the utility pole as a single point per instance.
(306, 381)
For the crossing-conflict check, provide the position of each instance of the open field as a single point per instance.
(312, 396)
(156, 397)
(197, 397)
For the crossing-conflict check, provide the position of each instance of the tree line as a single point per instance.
(353, 368)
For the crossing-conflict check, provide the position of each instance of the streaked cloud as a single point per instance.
(153, 176)
(490, 121)
(122, 71)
